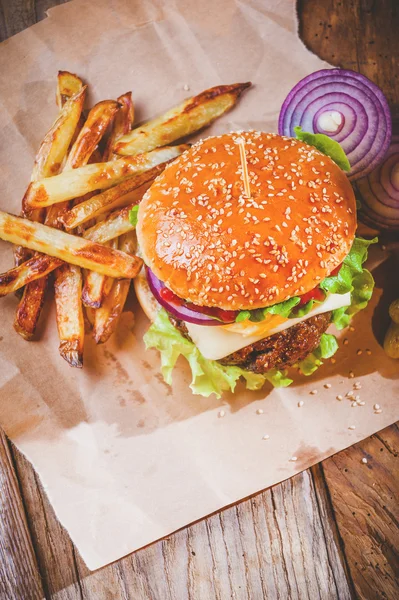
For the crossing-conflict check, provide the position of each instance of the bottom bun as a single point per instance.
(147, 300)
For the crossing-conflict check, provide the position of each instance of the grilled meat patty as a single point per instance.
(277, 351)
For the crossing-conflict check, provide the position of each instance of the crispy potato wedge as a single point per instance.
(67, 247)
(82, 150)
(115, 225)
(56, 142)
(122, 124)
(99, 176)
(29, 308)
(96, 286)
(182, 120)
(107, 316)
(121, 195)
(85, 144)
(68, 84)
(89, 314)
(92, 131)
(69, 310)
(36, 267)
(51, 154)
(49, 158)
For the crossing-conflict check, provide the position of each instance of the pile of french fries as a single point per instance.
(74, 230)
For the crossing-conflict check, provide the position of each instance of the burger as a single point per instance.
(250, 254)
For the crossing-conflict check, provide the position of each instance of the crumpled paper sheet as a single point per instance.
(124, 458)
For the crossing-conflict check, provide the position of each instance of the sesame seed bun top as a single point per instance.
(212, 245)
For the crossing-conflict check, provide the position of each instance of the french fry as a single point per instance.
(51, 154)
(122, 124)
(113, 226)
(48, 161)
(67, 247)
(92, 131)
(107, 316)
(178, 122)
(36, 267)
(56, 142)
(89, 314)
(96, 286)
(127, 192)
(31, 303)
(29, 308)
(68, 84)
(70, 320)
(99, 176)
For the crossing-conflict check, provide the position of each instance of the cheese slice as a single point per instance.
(215, 343)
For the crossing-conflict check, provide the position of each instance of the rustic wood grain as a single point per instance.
(365, 501)
(328, 533)
(356, 34)
(281, 543)
(19, 573)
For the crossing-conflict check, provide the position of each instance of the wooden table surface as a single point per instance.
(328, 533)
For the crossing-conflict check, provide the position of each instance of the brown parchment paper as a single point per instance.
(124, 458)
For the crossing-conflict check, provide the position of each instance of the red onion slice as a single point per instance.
(379, 192)
(347, 107)
(182, 311)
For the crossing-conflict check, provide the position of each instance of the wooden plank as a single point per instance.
(365, 503)
(358, 35)
(19, 573)
(264, 547)
(55, 552)
(15, 16)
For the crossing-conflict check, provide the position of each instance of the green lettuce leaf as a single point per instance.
(327, 348)
(208, 376)
(259, 314)
(133, 215)
(350, 278)
(326, 145)
(340, 317)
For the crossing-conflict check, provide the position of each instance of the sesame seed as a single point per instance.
(359, 352)
(368, 351)
(351, 328)
(357, 385)
(186, 87)
(301, 403)
(339, 397)
(364, 461)
(346, 341)
(354, 404)
(221, 413)
(351, 374)
(333, 360)
(376, 406)
(293, 458)
(259, 411)
(313, 392)
(266, 437)
(327, 386)
(352, 427)
(378, 411)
